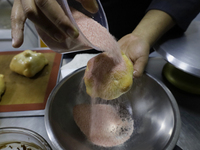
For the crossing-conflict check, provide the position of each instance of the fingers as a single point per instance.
(137, 49)
(17, 24)
(48, 16)
(56, 15)
(51, 19)
(139, 66)
(90, 5)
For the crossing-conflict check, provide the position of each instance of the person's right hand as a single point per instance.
(47, 15)
(137, 44)
(137, 49)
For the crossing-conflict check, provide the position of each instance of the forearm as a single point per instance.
(153, 25)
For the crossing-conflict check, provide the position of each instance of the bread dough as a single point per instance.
(28, 63)
(107, 79)
(2, 85)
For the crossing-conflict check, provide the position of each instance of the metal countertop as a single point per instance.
(188, 104)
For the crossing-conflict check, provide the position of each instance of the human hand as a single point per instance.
(48, 16)
(137, 49)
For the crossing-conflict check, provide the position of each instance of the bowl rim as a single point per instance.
(177, 124)
(177, 121)
(20, 130)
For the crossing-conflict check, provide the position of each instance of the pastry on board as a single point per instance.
(2, 85)
(28, 63)
(107, 79)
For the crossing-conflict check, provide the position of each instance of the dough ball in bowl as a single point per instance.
(106, 78)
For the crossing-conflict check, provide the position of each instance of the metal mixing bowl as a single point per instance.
(151, 105)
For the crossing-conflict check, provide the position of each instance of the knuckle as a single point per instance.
(29, 12)
(17, 20)
(41, 3)
(13, 18)
(58, 21)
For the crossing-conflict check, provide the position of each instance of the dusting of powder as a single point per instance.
(97, 35)
(103, 79)
(103, 124)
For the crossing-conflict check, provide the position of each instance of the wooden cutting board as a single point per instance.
(23, 93)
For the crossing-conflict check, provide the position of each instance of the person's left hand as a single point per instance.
(46, 15)
(137, 49)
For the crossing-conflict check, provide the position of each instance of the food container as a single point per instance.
(182, 50)
(151, 105)
(13, 138)
(182, 53)
(182, 80)
(81, 43)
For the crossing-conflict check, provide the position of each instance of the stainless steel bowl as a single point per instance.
(151, 105)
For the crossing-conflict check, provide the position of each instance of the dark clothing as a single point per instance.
(182, 11)
(124, 15)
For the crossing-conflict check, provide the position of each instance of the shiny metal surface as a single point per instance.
(5, 12)
(153, 108)
(5, 22)
(182, 80)
(34, 123)
(15, 137)
(182, 50)
(188, 104)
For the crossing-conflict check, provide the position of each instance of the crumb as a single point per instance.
(10, 146)
(24, 147)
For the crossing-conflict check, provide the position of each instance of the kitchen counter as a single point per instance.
(188, 104)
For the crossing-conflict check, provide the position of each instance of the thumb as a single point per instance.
(139, 66)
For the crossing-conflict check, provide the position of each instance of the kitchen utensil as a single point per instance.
(181, 79)
(12, 138)
(81, 43)
(182, 50)
(152, 107)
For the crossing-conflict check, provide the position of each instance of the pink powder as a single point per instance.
(97, 35)
(103, 124)
(104, 77)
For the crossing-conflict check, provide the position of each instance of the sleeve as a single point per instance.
(182, 11)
